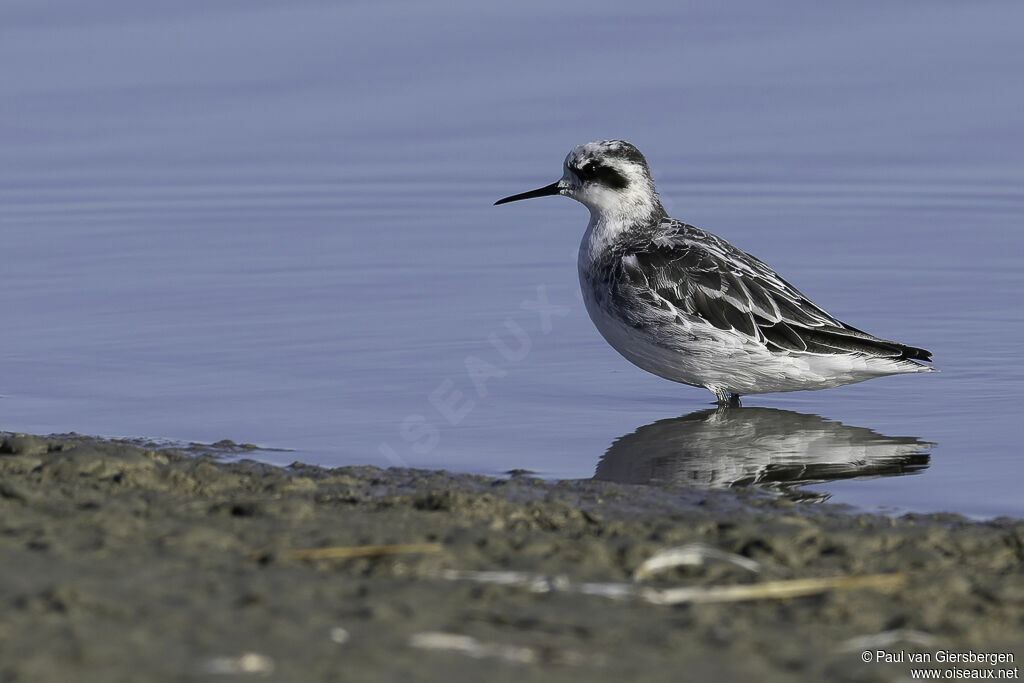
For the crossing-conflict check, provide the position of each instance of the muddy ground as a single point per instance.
(122, 562)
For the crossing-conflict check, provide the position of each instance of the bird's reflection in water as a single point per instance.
(779, 450)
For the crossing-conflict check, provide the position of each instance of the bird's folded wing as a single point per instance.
(701, 275)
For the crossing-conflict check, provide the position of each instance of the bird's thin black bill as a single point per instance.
(542, 192)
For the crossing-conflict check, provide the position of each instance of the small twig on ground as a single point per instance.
(771, 590)
(345, 552)
(766, 590)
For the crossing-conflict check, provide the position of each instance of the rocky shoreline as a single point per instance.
(122, 561)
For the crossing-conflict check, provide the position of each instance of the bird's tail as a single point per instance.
(851, 340)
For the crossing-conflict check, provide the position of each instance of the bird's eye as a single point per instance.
(608, 176)
(588, 171)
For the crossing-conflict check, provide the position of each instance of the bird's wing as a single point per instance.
(702, 275)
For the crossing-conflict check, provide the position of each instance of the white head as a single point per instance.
(609, 177)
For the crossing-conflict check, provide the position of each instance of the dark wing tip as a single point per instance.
(914, 353)
(905, 351)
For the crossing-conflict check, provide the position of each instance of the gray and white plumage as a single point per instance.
(690, 307)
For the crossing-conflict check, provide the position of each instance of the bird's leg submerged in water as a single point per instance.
(726, 399)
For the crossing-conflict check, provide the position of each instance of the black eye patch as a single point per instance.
(606, 175)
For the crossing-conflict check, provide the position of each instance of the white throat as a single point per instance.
(614, 212)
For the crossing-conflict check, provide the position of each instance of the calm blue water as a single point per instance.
(272, 222)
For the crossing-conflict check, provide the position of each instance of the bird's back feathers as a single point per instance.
(699, 274)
